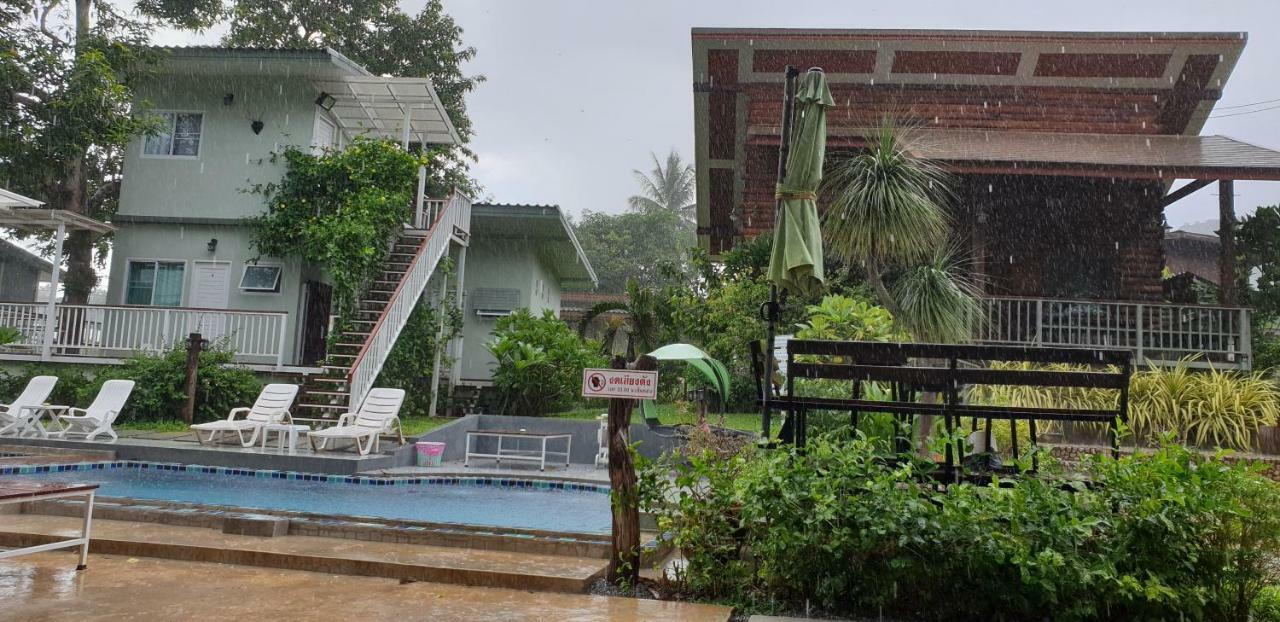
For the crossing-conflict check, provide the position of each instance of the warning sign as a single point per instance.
(635, 385)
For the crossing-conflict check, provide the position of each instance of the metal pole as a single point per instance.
(194, 344)
(435, 365)
(772, 307)
(51, 311)
(455, 350)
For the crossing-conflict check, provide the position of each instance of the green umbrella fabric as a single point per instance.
(714, 370)
(796, 264)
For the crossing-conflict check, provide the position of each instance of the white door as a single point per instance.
(210, 282)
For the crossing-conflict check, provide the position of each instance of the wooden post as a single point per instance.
(624, 556)
(194, 344)
(1228, 282)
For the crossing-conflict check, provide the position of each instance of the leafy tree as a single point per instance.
(668, 187)
(66, 112)
(386, 41)
(1259, 237)
(646, 318)
(645, 247)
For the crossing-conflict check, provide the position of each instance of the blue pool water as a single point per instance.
(449, 500)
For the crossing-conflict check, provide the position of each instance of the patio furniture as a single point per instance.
(272, 406)
(907, 369)
(24, 491)
(284, 432)
(602, 439)
(518, 454)
(98, 417)
(24, 412)
(379, 414)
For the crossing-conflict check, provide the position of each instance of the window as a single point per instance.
(178, 136)
(154, 283)
(261, 279)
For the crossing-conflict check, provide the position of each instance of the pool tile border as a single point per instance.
(361, 480)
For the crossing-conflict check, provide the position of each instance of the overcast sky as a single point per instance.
(579, 92)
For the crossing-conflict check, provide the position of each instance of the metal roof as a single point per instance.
(1121, 155)
(9, 199)
(366, 104)
(543, 224)
(39, 218)
(13, 252)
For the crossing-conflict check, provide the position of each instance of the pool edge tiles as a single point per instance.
(362, 480)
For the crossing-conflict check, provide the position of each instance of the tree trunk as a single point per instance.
(624, 558)
(80, 277)
(874, 277)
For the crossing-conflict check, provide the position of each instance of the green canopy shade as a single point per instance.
(796, 264)
(714, 370)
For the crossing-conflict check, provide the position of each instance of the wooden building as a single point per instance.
(1065, 145)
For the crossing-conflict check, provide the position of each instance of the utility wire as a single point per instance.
(1236, 114)
(1268, 101)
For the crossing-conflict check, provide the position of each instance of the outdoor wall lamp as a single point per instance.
(228, 99)
(256, 126)
(213, 244)
(326, 101)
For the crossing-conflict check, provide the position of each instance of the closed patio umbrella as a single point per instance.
(796, 263)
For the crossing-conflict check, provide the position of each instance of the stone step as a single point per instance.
(391, 560)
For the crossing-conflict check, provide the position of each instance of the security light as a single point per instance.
(213, 244)
(326, 101)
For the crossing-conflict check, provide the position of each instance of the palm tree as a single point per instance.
(888, 215)
(669, 187)
(642, 323)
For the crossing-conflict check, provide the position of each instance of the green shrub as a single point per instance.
(76, 384)
(1266, 605)
(160, 392)
(539, 363)
(1168, 535)
(411, 362)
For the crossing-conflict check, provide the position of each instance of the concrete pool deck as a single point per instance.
(393, 560)
(46, 587)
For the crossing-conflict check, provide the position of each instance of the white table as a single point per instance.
(515, 453)
(291, 430)
(22, 491)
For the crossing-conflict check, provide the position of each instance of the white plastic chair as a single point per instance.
(23, 413)
(379, 414)
(602, 441)
(272, 406)
(98, 417)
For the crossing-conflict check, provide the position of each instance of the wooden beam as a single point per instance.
(1184, 192)
(1228, 289)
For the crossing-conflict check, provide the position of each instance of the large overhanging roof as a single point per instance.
(379, 106)
(10, 199)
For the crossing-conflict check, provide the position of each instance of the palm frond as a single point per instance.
(888, 205)
(936, 301)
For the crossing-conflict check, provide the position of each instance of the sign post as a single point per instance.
(623, 384)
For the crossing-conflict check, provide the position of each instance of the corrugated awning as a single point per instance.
(1092, 155)
(40, 218)
(377, 105)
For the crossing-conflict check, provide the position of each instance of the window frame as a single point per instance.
(172, 128)
(128, 270)
(279, 287)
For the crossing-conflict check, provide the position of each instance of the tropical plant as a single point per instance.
(888, 214)
(667, 188)
(539, 362)
(836, 529)
(645, 317)
(844, 318)
(341, 210)
(9, 334)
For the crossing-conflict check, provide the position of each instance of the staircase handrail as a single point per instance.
(382, 337)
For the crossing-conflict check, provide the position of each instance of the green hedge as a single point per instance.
(160, 392)
(1169, 535)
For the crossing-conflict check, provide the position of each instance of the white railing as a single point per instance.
(1155, 332)
(113, 332)
(454, 213)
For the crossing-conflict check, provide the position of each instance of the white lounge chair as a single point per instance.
(379, 414)
(272, 407)
(98, 417)
(23, 412)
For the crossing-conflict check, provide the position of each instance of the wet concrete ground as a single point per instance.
(46, 587)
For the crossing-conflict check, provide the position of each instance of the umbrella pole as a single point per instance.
(773, 308)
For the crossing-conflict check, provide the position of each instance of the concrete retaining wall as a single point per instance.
(583, 446)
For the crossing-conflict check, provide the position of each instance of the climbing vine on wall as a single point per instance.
(341, 210)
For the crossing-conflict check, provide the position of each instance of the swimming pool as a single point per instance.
(487, 501)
